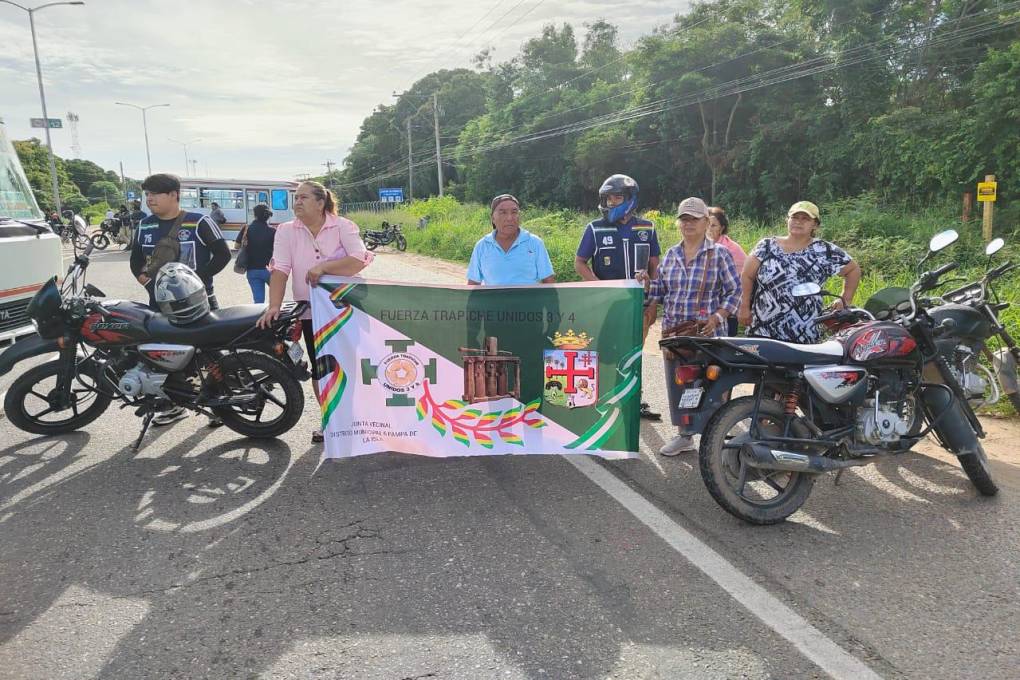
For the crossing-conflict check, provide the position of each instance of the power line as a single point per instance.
(857, 55)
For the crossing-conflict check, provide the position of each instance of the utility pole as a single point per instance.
(988, 214)
(329, 172)
(123, 183)
(194, 167)
(145, 127)
(439, 155)
(410, 165)
(72, 119)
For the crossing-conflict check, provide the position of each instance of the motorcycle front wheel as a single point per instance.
(277, 398)
(401, 243)
(975, 465)
(100, 241)
(32, 404)
(754, 495)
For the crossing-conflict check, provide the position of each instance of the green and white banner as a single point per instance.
(478, 370)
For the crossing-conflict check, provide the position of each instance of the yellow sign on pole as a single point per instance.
(986, 192)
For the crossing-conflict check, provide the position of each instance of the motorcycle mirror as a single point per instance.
(995, 246)
(806, 289)
(942, 239)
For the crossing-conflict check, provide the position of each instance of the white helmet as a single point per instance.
(180, 294)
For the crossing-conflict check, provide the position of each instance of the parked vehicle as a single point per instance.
(29, 248)
(390, 233)
(978, 333)
(220, 364)
(109, 232)
(875, 389)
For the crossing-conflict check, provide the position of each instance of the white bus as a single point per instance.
(30, 252)
(237, 199)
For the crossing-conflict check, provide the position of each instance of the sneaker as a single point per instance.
(169, 416)
(647, 413)
(682, 443)
(317, 437)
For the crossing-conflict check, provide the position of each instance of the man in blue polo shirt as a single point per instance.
(509, 255)
(609, 245)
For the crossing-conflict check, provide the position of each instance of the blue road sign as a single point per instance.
(391, 195)
(130, 195)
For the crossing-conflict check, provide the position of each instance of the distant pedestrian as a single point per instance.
(217, 214)
(257, 240)
(718, 231)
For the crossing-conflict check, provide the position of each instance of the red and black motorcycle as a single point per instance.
(221, 365)
(876, 388)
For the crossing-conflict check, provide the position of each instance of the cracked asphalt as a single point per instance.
(205, 555)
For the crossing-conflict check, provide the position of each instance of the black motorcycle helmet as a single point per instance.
(623, 185)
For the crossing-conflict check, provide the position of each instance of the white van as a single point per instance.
(30, 252)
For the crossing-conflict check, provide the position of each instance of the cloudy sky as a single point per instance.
(272, 89)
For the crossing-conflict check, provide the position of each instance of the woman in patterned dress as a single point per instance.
(777, 264)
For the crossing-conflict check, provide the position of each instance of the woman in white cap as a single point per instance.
(777, 264)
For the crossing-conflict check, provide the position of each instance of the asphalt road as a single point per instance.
(207, 555)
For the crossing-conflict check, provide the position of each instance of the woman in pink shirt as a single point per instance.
(718, 228)
(315, 243)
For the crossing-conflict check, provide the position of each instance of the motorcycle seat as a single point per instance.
(780, 352)
(215, 328)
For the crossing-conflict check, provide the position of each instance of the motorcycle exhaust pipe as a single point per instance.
(766, 458)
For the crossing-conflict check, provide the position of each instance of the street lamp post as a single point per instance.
(187, 159)
(42, 94)
(145, 127)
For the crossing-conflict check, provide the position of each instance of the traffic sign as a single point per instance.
(41, 122)
(393, 195)
(986, 191)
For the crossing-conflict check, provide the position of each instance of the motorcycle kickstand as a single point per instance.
(146, 421)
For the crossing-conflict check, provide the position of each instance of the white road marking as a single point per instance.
(808, 640)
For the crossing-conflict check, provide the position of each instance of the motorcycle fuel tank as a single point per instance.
(877, 341)
(968, 322)
(123, 324)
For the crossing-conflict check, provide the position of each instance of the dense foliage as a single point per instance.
(750, 104)
(81, 182)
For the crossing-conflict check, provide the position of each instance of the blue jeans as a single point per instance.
(258, 279)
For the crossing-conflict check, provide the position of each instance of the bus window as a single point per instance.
(189, 198)
(228, 199)
(280, 200)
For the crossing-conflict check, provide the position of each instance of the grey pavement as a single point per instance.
(208, 555)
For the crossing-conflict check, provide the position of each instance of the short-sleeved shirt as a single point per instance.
(295, 250)
(775, 312)
(196, 234)
(526, 262)
(611, 247)
(691, 291)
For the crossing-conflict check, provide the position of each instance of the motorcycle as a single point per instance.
(390, 233)
(109, 232)
(875, 389)
(221, 365)
(974, 308)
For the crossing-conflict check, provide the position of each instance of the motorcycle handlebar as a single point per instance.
(945, 269)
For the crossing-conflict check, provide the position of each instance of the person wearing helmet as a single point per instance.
(610, 246)
(168, 235)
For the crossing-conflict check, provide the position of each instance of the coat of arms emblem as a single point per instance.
(571, 371)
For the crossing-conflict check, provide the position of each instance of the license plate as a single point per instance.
(295, 352)
(691, 397)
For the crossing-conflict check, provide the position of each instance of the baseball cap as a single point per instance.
(695, 207)
(804, 207)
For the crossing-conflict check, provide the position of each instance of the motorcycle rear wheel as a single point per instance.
(30, 398)
(371, 245)
(753, 495)
(275, 388)
(100, 241)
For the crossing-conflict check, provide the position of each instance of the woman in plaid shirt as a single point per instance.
(698, 286)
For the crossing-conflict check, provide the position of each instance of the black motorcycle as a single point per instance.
(875, 389)
(390, 233)
(221, 365)
(109, 232)
(974, 310)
